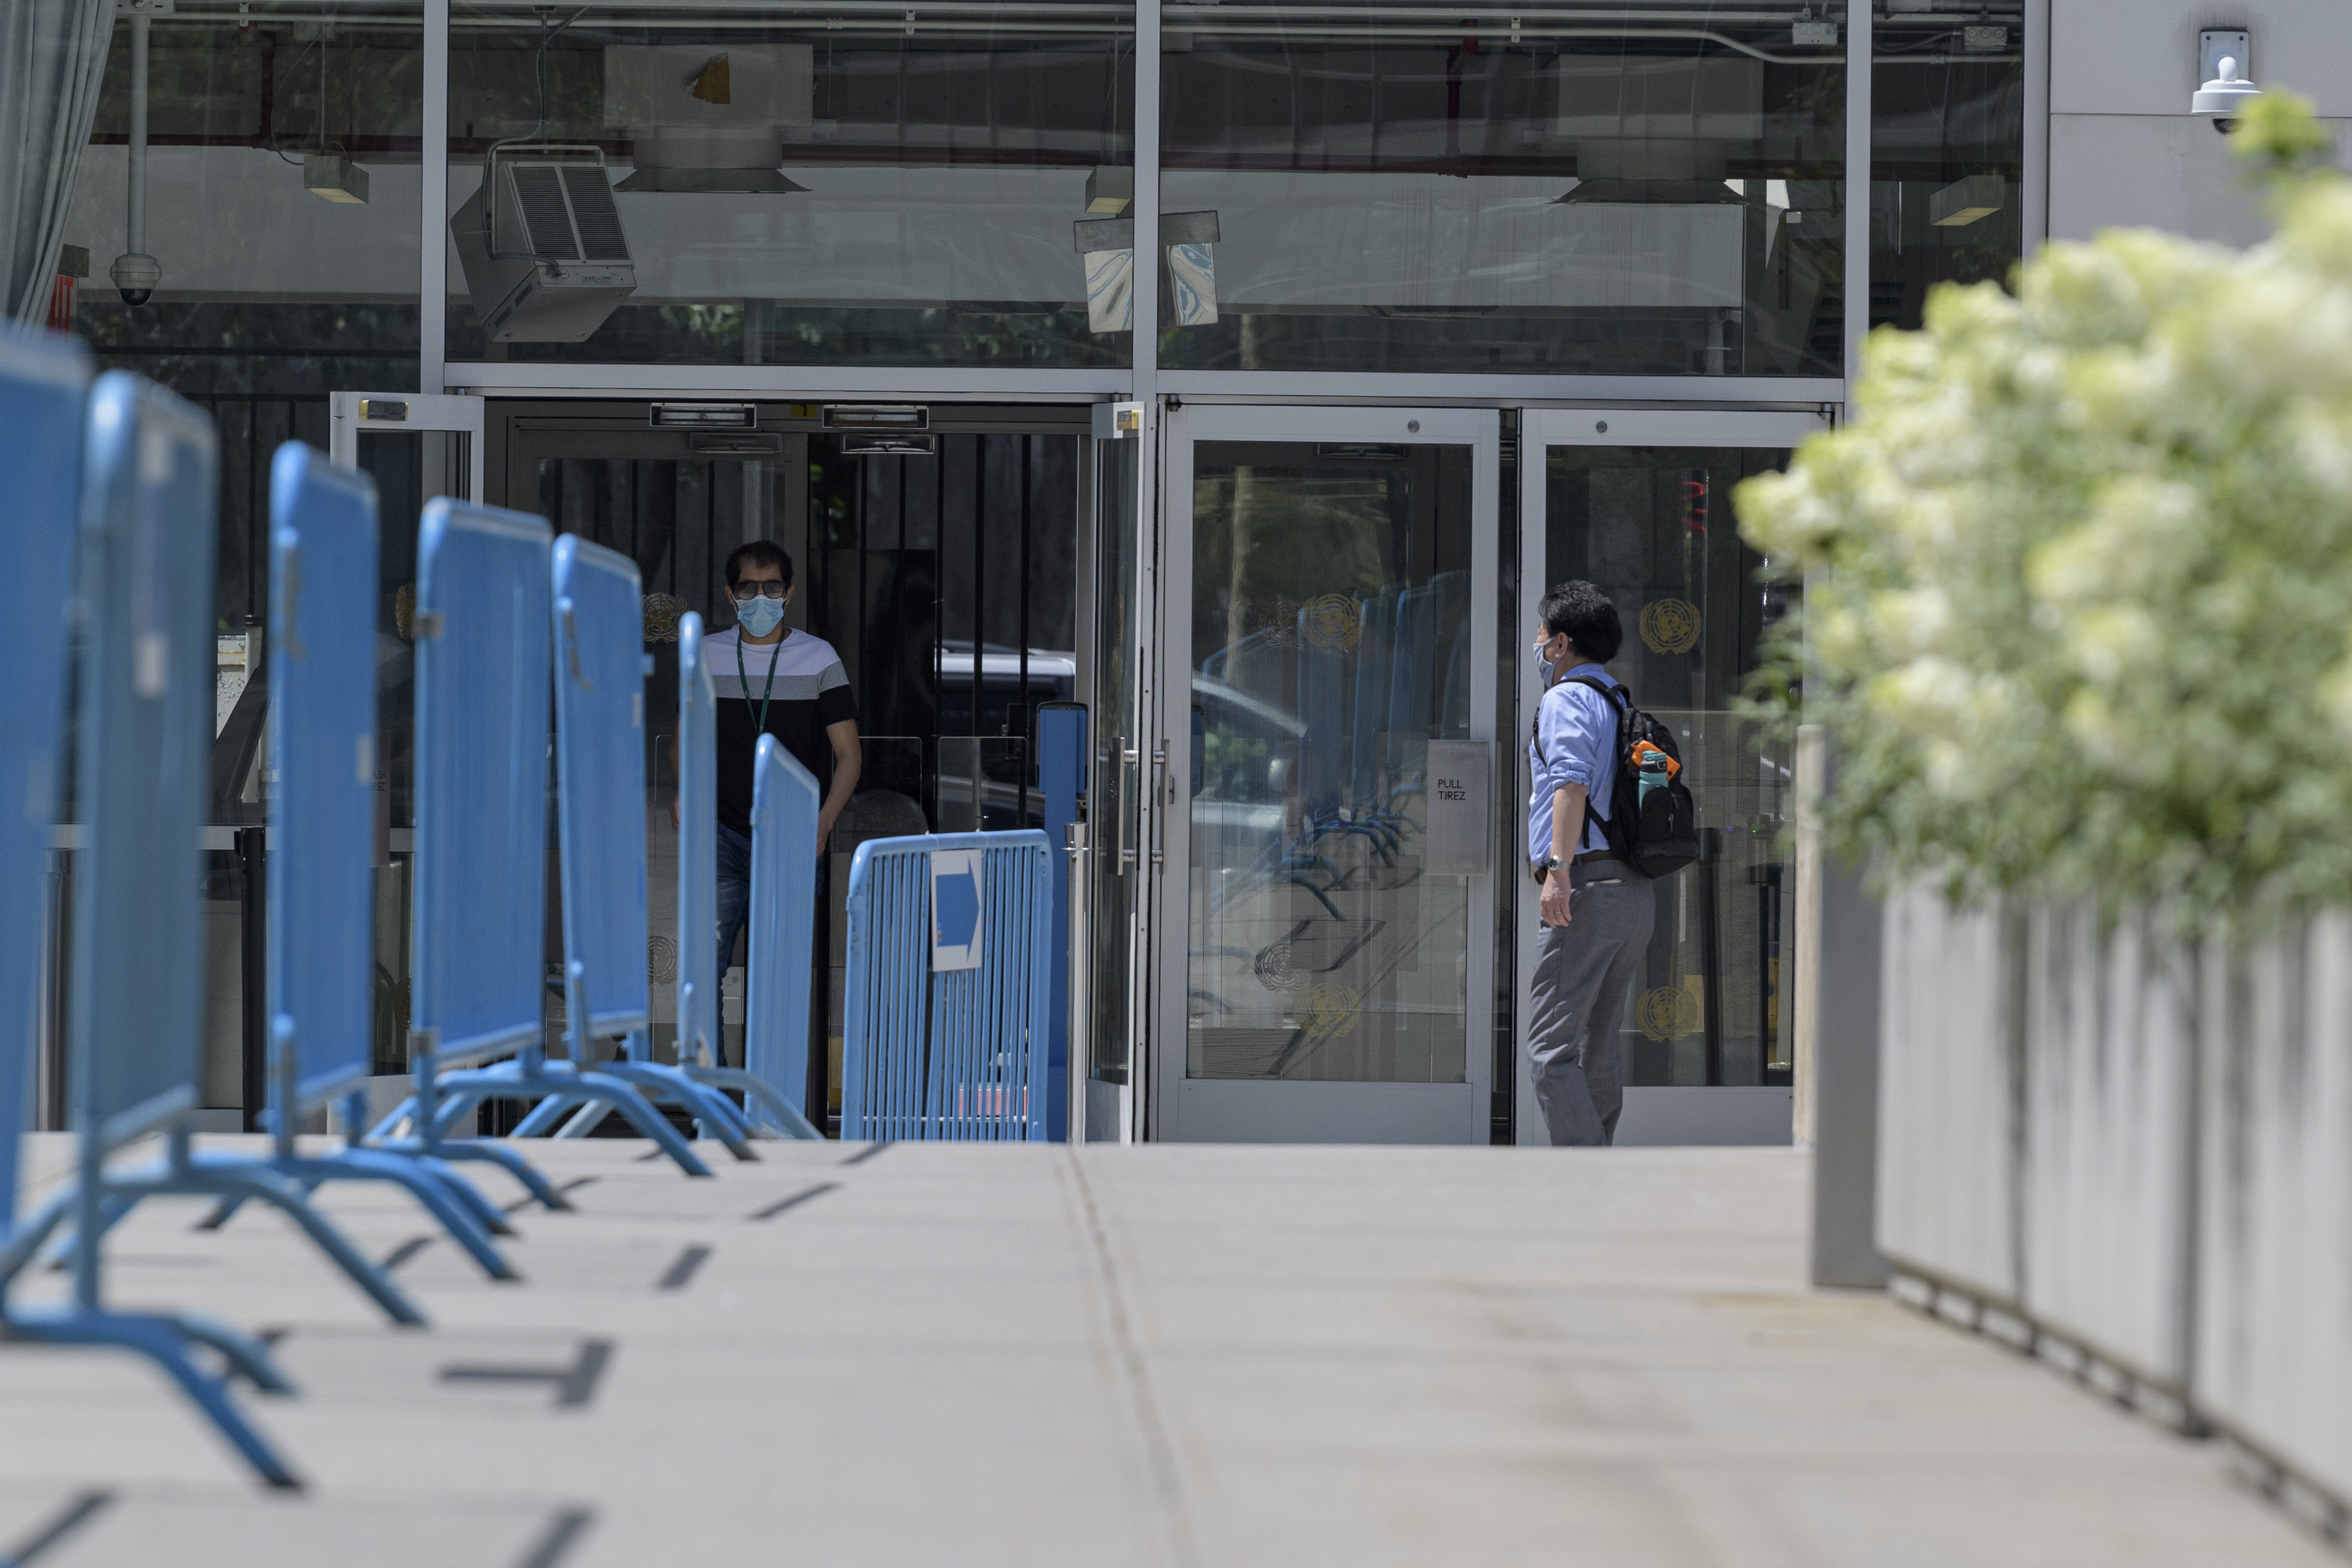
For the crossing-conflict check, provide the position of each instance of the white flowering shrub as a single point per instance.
(2080, 570)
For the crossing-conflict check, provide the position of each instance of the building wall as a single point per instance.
(2124, 149)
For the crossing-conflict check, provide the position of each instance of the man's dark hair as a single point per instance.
(759, 552)
(1582, 613)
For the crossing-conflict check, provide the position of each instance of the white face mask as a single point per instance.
(760, 615)
(1543, 664)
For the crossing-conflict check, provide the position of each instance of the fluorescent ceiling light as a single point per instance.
(1647, 192)
(710, 181)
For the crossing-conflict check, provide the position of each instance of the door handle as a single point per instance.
(1159, 804)
(1128, 757)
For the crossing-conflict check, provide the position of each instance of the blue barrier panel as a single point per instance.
(497, 578)
(322, 566)
(136, 475)
(600, 753)
(480, 903)
(145, 744)
(322, 737)
(948, 1018)
(1061, 781)
(600, 760)
(42, 386)
(785, 806)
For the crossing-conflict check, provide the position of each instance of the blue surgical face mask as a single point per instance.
(759, 616)
(1543, 664)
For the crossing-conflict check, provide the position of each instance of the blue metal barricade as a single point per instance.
(139, 476)
(600, 755)
(948, 1027)
(784, 850)
(783, 911)
(482, 674)
(43, 384)
(322, 560)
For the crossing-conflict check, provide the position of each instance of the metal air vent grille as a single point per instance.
(546, 221)
(593, 210)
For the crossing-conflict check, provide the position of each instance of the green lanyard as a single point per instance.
(760, 719)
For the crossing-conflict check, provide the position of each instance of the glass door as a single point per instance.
(1642, 502)
(1323, 818)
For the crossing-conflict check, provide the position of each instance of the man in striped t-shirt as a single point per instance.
(772, 679)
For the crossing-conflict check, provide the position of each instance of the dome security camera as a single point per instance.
(136, 274)
(2225, 97)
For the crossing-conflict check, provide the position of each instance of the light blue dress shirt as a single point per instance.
(1575, 742)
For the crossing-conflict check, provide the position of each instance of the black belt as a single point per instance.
(1587, 858)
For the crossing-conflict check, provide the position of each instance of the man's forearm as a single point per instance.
(1566, 821)
(848, 763)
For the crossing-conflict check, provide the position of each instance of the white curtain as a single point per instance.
(52, 57)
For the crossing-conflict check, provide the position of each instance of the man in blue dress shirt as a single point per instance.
(1597, 911)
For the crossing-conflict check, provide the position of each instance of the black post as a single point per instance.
(1710, 958)
(253, 920)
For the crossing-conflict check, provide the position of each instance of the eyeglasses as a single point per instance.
(745, 593)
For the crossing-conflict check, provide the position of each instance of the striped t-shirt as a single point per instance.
(809, 692)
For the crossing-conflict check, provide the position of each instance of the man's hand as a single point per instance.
(1555, 903)
(825, 830)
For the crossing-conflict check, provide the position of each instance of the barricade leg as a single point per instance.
(490, 1216)
(436, 1183)
(758, 1091)
(26, 1243)
(513, 1082)
(542, 1190)
(712, 1108)
(586, 1119)
(246, 1356)
(243, 1178)
(390, 1126)
(544, 1116)
(165, 1342)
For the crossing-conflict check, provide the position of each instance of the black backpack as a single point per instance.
(1652, 824)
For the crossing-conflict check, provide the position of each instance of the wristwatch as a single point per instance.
(1551, 863)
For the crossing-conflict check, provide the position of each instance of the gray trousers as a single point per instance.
(1576, 1004)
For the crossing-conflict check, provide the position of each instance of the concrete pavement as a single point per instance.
(1173, 1356)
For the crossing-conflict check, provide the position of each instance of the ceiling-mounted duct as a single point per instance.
(705, 119)
(544, 255)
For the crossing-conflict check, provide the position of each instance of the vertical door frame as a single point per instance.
(1177, 1105)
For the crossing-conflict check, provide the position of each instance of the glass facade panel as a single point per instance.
(1331, 632)
(1946, 156)
(281, 209)
(1654, 528)
(1650, 190)
(715, 184)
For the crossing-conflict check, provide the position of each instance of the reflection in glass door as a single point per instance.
(1641, 503)
(1339, 636)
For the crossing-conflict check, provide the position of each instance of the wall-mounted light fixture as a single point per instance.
(2224, 56)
